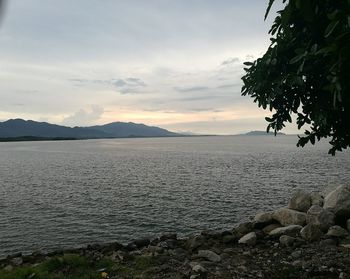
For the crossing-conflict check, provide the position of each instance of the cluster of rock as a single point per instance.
(308, 217)
(310, 237)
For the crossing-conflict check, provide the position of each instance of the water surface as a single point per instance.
(73, 193)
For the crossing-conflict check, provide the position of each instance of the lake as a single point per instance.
(68, 194)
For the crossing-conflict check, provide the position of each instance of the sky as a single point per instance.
(175, 64)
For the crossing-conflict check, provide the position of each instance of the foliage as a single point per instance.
(305, 71)
(69, 266)
(73, 266)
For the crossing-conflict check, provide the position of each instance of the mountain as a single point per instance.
(19, 128)
(261, 133)
(122, 129)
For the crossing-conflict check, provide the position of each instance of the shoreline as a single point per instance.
(310, 238)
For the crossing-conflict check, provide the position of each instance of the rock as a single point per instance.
(209, 255)
(296, 254)
(249, 239)
(348, 225)
(317, 198)
(338, 201)
(300, 201)
(142, 242)
(243, 228)
(199, 269)
(16, 261)
(311, 232)
(287, 241)
(195, 242)
(229, 239)
(286, 216)
(328, 242)
(345, 242)
(291, 230)
(270, 228)
(337, 231)
(167, 236)
(8, 268)
(323, 218)
(262, 219)
(154, 250)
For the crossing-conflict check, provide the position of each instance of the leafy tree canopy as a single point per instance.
(306, 71)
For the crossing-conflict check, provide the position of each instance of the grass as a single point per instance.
(72, 266)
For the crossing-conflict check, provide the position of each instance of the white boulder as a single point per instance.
(287, 216)
(300, 201)
(338, 201)
(249, 239)
(321, 217)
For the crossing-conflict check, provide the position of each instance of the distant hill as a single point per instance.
(261, 133)
(122, 129)
(19, 128)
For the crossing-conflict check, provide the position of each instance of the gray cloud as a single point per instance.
(191, 89)
(84, 117)
(230, 61)
(129, 85)
(225, 86)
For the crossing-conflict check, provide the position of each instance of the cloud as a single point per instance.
(230, 61)
(225, 86)
(191, 89)
(84, 117)
(124, 86)
(129, 85)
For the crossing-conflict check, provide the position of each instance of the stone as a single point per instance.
(270, 228)
(199, 269)
(291, 230)
(337, 231)
(338, 201)
(167, 236)
(328, 242)
(142, 242)
(154, 250)
(229, 239)
(300, 201)
(209, 255)
(287, 240)
(249, 239)
(345, 242)
(317, 198)
(195, 242)
(311, 232)
(296, 254)
(243, 228)
(8, 268)
(262, 219)
(321, 217)
(16, 261)
(286, 216)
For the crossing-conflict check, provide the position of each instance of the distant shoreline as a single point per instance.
(33, 138)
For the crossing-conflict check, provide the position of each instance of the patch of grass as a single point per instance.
(72, 266)
(69, 266)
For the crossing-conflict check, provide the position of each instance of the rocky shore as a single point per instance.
(310, 238)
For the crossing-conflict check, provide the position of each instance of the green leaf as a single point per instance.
(330, 28)
(297, 58)
(248, 63)
(268, 8)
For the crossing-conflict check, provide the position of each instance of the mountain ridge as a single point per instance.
(19, 128)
